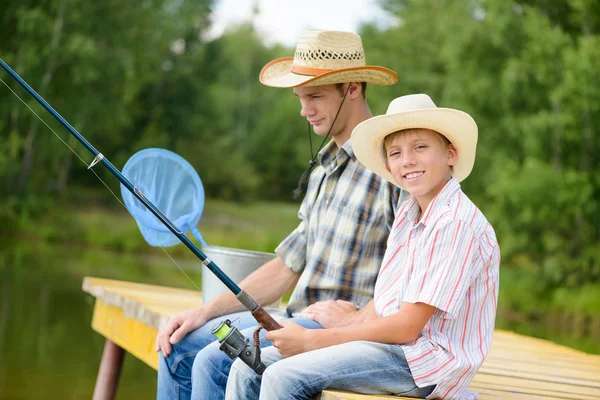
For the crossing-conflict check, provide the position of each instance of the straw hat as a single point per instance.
(324, 58)
(415, 111)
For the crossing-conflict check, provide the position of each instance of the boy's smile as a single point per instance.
(413, 176)
(419, 161)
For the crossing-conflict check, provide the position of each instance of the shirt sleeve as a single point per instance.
(446, 265)
(293, 248)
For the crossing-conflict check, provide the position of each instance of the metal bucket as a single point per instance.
(236, 263)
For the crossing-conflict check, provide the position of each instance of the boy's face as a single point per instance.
(320, 105)
(418, 161)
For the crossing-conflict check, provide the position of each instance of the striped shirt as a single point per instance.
(346, 217)
(449, 259)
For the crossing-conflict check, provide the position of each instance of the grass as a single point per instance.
(259, 226)
(112, 240)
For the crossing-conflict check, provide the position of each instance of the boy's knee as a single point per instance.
(278, 380)
(210, 357)
(240, 371)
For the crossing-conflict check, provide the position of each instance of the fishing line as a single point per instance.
(100, 179)
(258, 312)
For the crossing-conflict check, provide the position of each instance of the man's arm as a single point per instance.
(265, 285)
(338, 313)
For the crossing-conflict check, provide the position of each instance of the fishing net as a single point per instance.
(173, 186)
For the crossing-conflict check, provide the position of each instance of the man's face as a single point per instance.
(320, 105)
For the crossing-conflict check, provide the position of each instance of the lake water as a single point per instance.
(48, 349)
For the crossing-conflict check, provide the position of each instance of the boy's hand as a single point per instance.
(290, 340)
(330, 313)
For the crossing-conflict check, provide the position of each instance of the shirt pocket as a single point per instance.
(352, 226)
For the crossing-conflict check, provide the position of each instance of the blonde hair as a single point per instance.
(394, 135)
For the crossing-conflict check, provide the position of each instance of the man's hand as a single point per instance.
(178, 326)
(330, 313)
(292, 339)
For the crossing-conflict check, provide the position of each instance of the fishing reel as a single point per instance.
(234, 344)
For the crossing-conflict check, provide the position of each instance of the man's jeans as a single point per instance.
(197, 369)
(364, 367)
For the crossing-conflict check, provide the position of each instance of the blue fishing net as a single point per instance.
(173, 186)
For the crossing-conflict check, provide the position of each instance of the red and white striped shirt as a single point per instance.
(449, 259)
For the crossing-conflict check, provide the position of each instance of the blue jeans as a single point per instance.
(364, 367)
(196, 368)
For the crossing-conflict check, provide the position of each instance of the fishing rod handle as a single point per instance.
(259, 313)
(265, 319)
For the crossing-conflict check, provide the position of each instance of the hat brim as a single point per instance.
(278, 73)
(457, 126)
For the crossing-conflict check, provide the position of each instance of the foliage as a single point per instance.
(525, 71)
(132, 76)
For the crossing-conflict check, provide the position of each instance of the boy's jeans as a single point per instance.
(365, 367)
(197, 369)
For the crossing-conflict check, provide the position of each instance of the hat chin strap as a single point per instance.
(313, 162)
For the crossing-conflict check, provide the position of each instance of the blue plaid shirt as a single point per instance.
(346, 217)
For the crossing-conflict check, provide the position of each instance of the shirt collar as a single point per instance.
(435, 206)
(330, 157)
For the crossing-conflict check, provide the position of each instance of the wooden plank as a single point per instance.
(486, 393)
(341, 395)
(547, 374)
(506, 340)
(563, 355)
(92, 284)
(331, 394)
(119, 294)
(524, 385)
(575, 362)
(128, 333)
(525, 393)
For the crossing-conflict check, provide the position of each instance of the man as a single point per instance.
(346, 216)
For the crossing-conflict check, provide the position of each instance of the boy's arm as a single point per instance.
(402, 327)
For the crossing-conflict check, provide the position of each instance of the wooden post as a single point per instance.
(109, 372)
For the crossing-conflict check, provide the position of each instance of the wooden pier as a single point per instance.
(129, 315)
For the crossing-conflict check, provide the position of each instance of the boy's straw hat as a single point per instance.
(324, 58)
(415, 111)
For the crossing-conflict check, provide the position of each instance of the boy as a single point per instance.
(433, 316)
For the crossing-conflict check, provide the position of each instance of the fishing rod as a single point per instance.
(232, 341)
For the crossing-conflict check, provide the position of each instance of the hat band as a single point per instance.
(309, 71)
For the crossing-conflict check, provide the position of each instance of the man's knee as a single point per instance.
(184, 352)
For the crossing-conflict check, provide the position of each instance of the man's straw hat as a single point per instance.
(324, 58)
(415, 111)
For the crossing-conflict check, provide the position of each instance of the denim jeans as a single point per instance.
(196, 368)
(364, 367)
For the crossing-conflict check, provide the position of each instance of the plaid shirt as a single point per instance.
(346, 217)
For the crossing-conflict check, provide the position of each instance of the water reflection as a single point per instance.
(47, 347)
